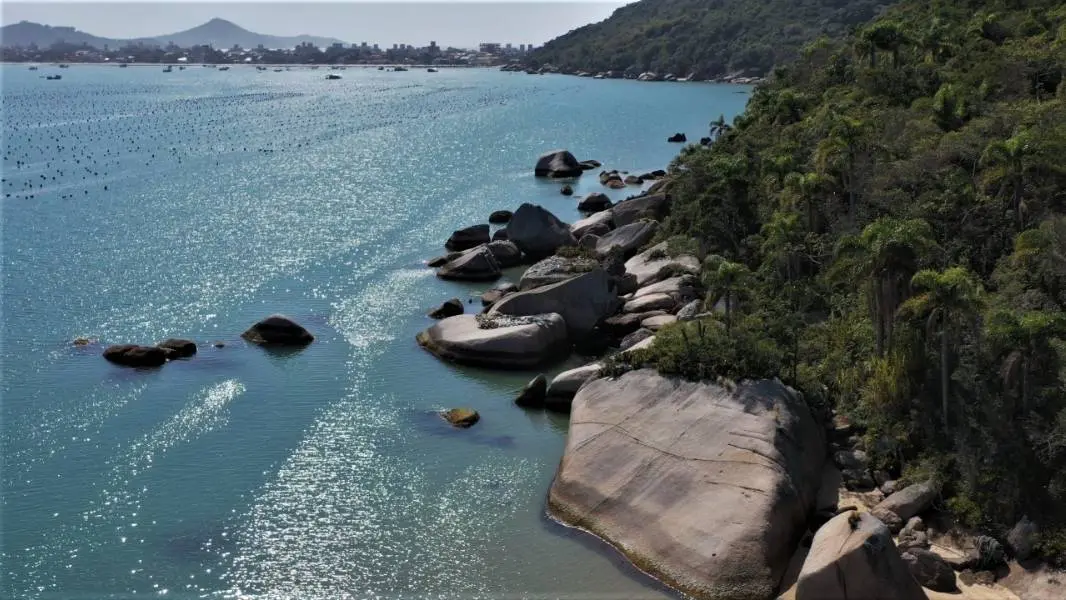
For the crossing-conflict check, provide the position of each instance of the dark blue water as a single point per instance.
(139, 205)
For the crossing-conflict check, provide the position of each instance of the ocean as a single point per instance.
(140, 205)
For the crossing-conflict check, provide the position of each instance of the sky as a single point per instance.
(462, 24)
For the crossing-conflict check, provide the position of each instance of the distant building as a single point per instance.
(489, 47)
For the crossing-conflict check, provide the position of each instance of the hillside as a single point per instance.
(887, 225)
(218, 33)
(704, 38)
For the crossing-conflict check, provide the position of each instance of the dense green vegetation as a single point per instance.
(704, 38)
(888, 222)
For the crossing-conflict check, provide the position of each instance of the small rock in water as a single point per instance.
(181, 348)
(220, 344)
(532, 396)
(132, 355)
(279, 330)
(449, 308)
(461, 417)
(82, 341)
(567, 190)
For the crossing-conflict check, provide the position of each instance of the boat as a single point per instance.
(381, 68)
(332, 76)
(399, 68)
(181, 68)
(278, 70)
(431, 70)
(64, 66)
(223, 68)
(123, 65)
(168, 69)
(33, 68)
(53, 77)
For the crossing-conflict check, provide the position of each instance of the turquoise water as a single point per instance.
(140, 205)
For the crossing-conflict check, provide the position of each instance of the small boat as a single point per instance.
(168, 69)
(33, 68)
(278, 70)
(181, 68)
(64, 66)
(53, 77)
(314, 68)
(123, 65)
(381, 68)
(431, 70)
(332, 76)
(223, 68)
(399, 68)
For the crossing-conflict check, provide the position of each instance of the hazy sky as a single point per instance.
(383, 22)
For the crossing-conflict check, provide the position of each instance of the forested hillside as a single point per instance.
(704, 38)
(887, 226)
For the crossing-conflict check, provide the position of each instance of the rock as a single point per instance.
(1022, 538)
(850, 459)
(532, 396)
(82, 341)
(598, 223)
(633, 180)
(609, 176)
(653, 265)
(909, 539)
(465, 239)
(990, 554)
(537, 232)
(911, 500)
(650, 302)
(506, 253)
(492, 296)
(132, 355)
(594, 202)
(583, 301)
(625, 284)
(553, 270)
(650, 206)
(182, 348)
(857, 479)
(828, 490)
(641, 345)
(278, 330)
(930, 570)
(461, 417)
(440, 261)
(500, 216)
(500, 342)
(220, 344)
(615, 184)
(500, 235)
(557, 164)
(567, 383)
(852, 557)
(677, 138)
(588, 165)
(567, 190)
(970, 577)
(635, 338)
(682, 289)
(889, 518)
(619, 326)
(449, 308)
(628, 238)
(690, 311)
(889, 487)
(657, 323)
(476, 264)
(705, 141)
(914, 524)
(706, 488)
(589, 241)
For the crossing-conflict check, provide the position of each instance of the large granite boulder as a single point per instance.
(506, 253)
(638, 336)
(619, 326)
(553, 270)
(930, 570)
(583, 301)
(493, 295)
(682, 289)
(597, 224)
(650, 206)
(500, 342)
(650, 302)
(558, 163)
(907, 502)
(655, 263)
(704, 487)
(852, 557)
(449, 308)
(467, 238)
(567, 383)
(537, 232)
(476, 264)
(278, 330)
(658, 322)
(628, 238)
(594, 202)
(1022, 538)
(532, 395)
(132, 355)
(499, 217)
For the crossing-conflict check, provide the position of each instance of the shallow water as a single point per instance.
(140, 205)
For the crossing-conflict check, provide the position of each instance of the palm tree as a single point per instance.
(726, 278)
(807, 187)
(1026, 337)
(949, 300)
(884, 35)
(835, 155)
(886, 255)
(719, 127)
(1008, 162)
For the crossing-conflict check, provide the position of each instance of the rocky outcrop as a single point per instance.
(476, 264)
(930, 570)
(132, 355)
(852, 557)
(594, 202)
(619, 326)
(650, 206)
(467, 238)
(532, 395)
(500, 217)
(583, 301)
(440, 261)
(278, 330)
(655, 263)
(558, 164)
(178, 348)
(537, 232)
(597, 224)
(683, 289)
(506, 253)
(627, 239)
(658, 322)
(706, 488)
(677, 138)
(461, 417)
(567, 383)
(449, 308)
(1022, 538)
(906, 503)
(500, 342)
(553, 270)
(650, 302)
(635, 338)
(493, 296)
(690, 311)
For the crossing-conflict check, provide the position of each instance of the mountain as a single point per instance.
(886, 223)
(219, 33)
(705, 38)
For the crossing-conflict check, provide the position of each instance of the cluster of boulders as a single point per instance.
(561, 164)
(275, 330)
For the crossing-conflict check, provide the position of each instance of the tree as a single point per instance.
(886, 255)
(884, 35)
(1008, 162)
(807, 187)
(719, 127)
(1025, 339)
(949, 300)
(726, 279)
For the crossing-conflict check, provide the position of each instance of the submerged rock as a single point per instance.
(532, 396)
(132, 355)
(461, 417)
(704, 487)
(278, 330)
